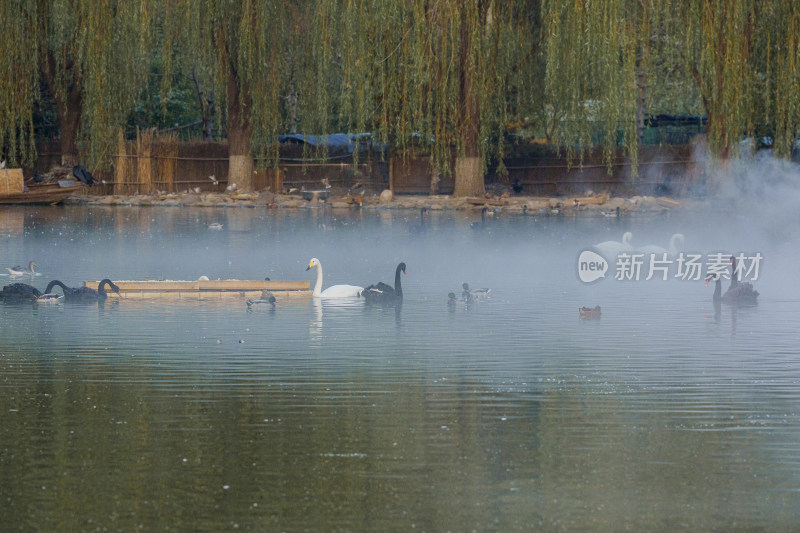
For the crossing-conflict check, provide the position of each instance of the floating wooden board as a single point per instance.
(206, 289)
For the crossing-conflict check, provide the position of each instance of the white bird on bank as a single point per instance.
(334, 291)
(611, 249)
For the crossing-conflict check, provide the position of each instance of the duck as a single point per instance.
(19, 292)
(21, 271)
(383, 293)
(215, 226)
(267, 300)
(49, 298)
(589, 313)
(451, 300)
(83, 294)
(610, 249)
(334, 291)
(675, 243)
(477, 294)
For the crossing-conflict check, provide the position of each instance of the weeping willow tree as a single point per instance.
(599, 62)
(19, 81)
(608, 60)
(241, 47)
(91, 54)
(437, 74)
(744, 59)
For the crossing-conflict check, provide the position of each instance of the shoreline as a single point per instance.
(588, 205)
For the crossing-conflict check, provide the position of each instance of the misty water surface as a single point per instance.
(508, 415)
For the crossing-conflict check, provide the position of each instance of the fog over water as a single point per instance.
(511, 414)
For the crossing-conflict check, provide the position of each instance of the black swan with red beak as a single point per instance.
(383, 293)
(740, 294)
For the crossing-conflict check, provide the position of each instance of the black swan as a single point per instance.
(385, 293)
(474, 294)
(83, 294)
(20, 271)
(267, 300)
(423, 212)
(739, 294)
(19, 292)
(481, 224)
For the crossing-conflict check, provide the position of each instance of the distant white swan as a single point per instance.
(675, 244)
(20, 271)
(335, 291)
(610, 249)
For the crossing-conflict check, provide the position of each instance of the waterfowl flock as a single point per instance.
(16, 293)
(739, 294)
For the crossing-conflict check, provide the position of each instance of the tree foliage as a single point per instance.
(738, 59)
(451, 77)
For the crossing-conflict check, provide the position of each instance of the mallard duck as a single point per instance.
(451, 299)
(477, 294)
(267, 300)
(587, 313)
(215, 226)
(49, 298)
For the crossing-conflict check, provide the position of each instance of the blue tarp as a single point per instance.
(332, 140)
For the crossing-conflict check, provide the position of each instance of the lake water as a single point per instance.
(508, 415)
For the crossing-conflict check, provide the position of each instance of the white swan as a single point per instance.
(20, 271)
(611, 249)
(675, 243)
(334, 291)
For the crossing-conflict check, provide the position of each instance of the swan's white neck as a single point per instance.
(318, 285)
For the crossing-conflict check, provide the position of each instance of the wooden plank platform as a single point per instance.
(206, 289)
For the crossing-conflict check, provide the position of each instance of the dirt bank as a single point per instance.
(592, 205)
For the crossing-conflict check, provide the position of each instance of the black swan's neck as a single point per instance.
(101, 288)
(734, 279)
(398, 289)
(55, 283)
(717, 290)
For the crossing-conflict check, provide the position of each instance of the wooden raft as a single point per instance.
(206, 289)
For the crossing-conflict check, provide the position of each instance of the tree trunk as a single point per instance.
(469, 177)
(69, 118)
(240, 132)
(69, 105)
(468, 173)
